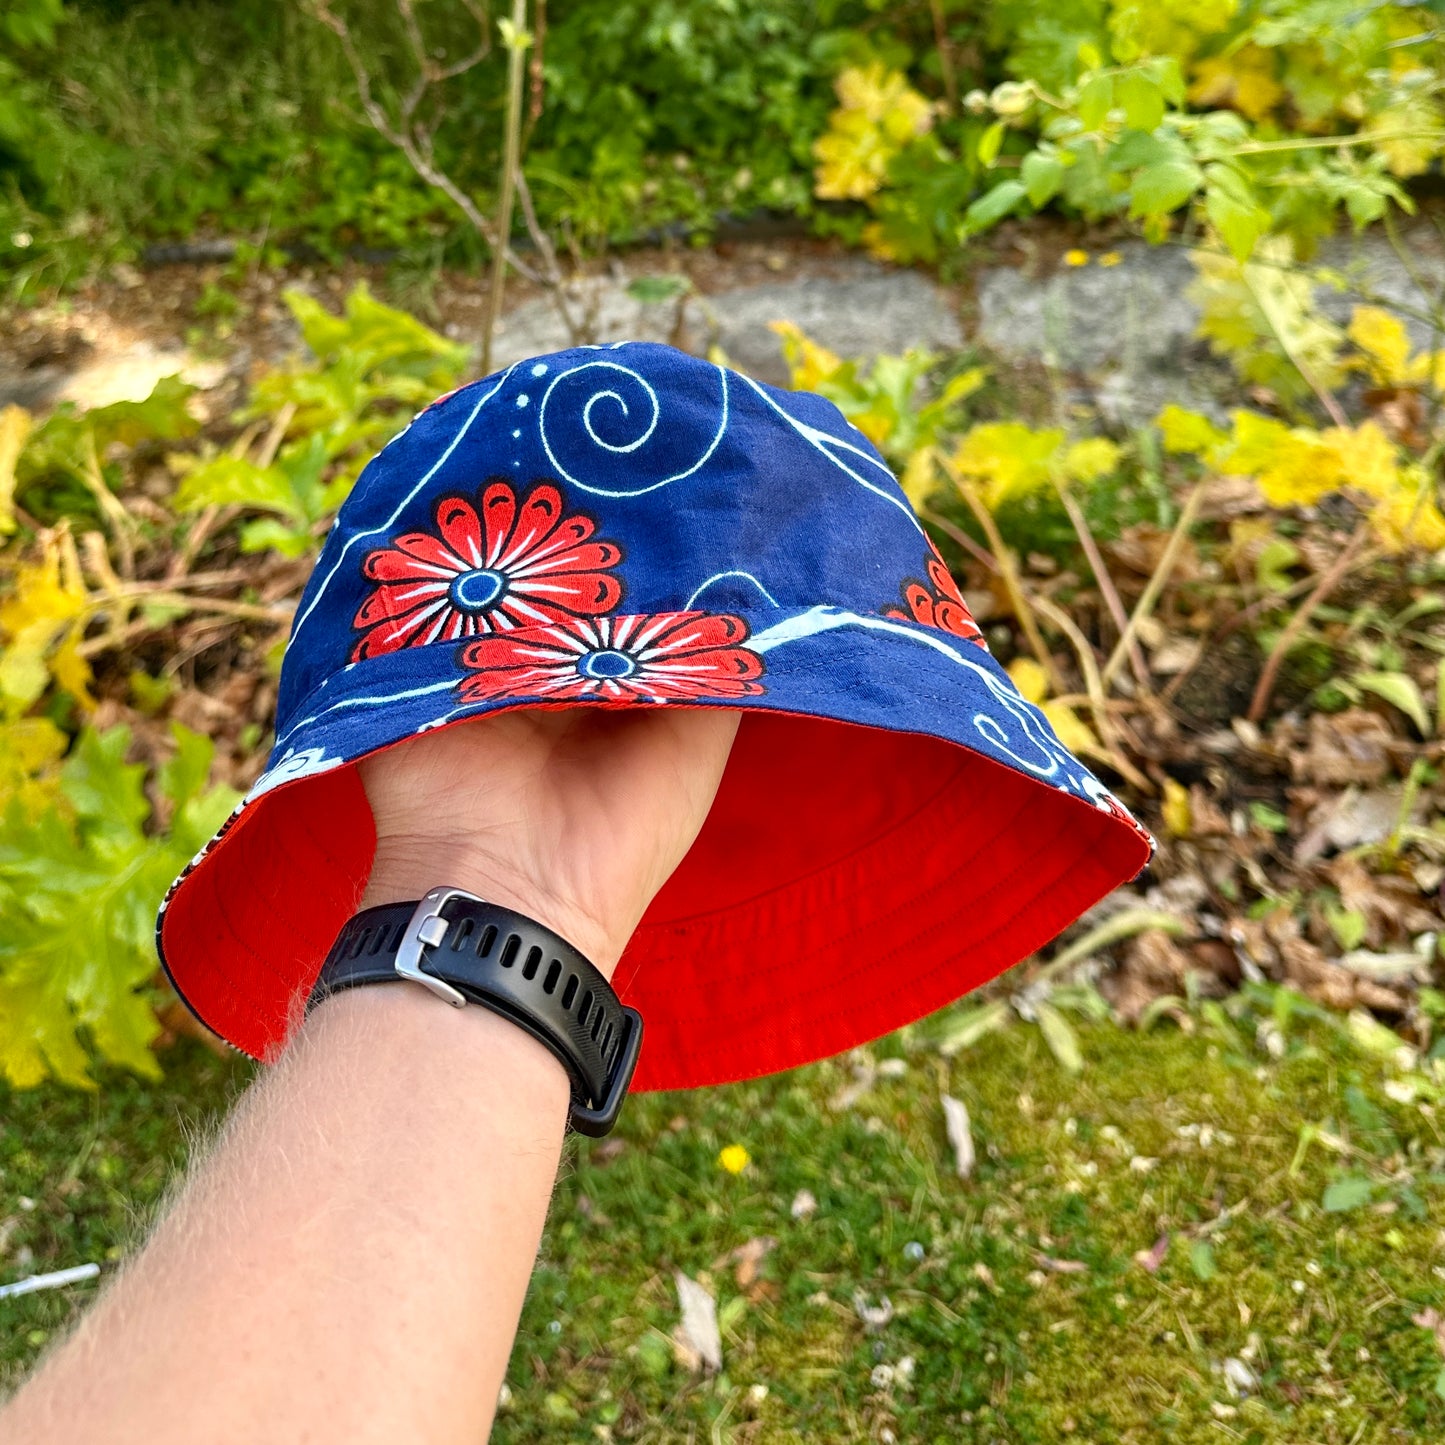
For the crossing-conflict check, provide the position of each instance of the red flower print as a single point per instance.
(659, 658)
(489, 567)
(940, 605)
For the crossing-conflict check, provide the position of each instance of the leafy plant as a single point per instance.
(80, 881)
(334, 410)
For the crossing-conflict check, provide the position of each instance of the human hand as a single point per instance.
(575, 817)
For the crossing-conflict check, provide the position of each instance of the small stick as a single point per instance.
(1089, 666)
(1106, 584)
(1155, 585)
(1008, 573)
(945, 60)
(979, 554)
(56, 1279)
(511, 152)
(1282, 644)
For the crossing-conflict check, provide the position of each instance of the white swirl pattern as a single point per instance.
(644, 398)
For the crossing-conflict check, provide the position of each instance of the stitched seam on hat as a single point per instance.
(694, 919)
(749, 615)
(950, 880)
(877, 960)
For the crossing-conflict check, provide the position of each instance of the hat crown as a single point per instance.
(630, 478)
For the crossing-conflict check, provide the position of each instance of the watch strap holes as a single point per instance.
(570, 992)
(554, 972)
(463, 931)
(485, 942)
(358, 942)
(533, 963)
(597, 1019)
(605, 1045)
(584, 1008)
(509, 950)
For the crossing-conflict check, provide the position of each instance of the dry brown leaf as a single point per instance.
(697, 1339)
(1346, 747)
(960, 1135)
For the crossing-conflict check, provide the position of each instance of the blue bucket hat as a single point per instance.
(630, 526)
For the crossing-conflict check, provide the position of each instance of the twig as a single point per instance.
(409, 136)
(1094, 687)
(1008, 572)
(535, 71)
(1107, 589)
(1107, 934)
(945, 59)
(979, 554)
(516, 55)
(1325, 397)
(1282, 644)
(1145, 605)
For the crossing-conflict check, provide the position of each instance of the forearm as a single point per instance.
(349, 1264)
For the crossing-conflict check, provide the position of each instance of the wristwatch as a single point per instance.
(467, 950)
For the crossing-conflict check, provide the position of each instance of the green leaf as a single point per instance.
(994, 205)
(1142, 99)
(1059, 1035)
(1351, 1192)
(185, 774)
(1271, 567)
(104, 788)
(965, 1029)
(1201, 1260)
(653, 290)
(228, 480)
(1161, 188)
(1233, 210)
(989, 143)
(1169, 78)
(1096, 100)
(1401, 691)
(1041, 174)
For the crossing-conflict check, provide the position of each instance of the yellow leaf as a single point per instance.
(878, 114)
(919, 477)
(1090, 459)
(1187, 432)
(1365, 458)
(1292, 467)
(30, 750)
(878, 243)
(1244, 79)
(877, 426)
(1008, 458)
(1177, 814)
(47, 605)
(1408, 516)
(1030, 679)
(14, 429)
(1385, 342)
(70, 670)
(1409, 134)
(1076, 258)
(1073, 732)
(808, 363)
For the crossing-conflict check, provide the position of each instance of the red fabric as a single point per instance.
(917, 871)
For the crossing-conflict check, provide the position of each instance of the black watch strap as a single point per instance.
(470, 951)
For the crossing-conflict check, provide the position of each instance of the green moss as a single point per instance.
(1010, 1339)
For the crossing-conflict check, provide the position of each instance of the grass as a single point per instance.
(1017, 1294)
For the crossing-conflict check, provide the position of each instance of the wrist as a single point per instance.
(405, 868)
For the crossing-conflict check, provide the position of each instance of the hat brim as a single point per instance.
(895, 827)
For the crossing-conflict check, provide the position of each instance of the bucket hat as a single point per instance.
(630, 526)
